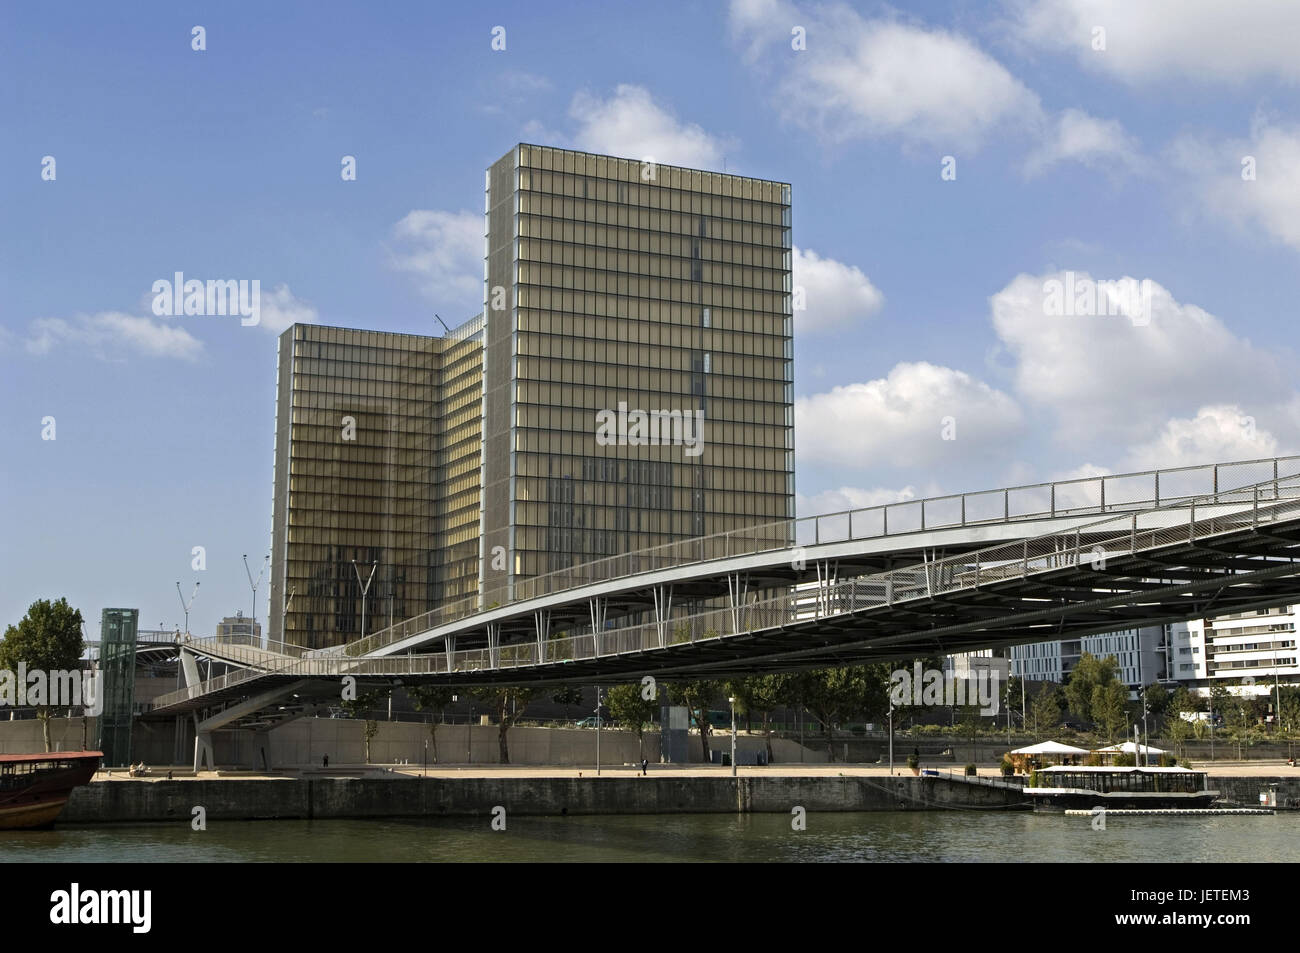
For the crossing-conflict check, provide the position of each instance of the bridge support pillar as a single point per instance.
(450, 643)
(494, 644)
(737, 592)
(663, 603)
(202, 748)
(597, 607)
(827, 576)
(542, 626)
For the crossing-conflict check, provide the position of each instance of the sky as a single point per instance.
(951, 163)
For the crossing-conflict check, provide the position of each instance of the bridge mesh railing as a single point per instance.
(1101, 494)
(1090, 545)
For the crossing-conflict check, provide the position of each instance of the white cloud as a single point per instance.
(1271, 201)
(630, 124)
(445, 251)
(883, 77)
(1206, 41)
(1110, 378)
(1216, 434)
(1076, 136)
(280, 309)
(900, 421)
(112, 334)
(850, 498)
(835, 294)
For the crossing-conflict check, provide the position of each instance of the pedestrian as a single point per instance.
(325, 761)
(644, 764)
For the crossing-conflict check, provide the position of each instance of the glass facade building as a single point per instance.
(629, 384)
(616, 287)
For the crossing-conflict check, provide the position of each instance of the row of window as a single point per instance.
(572, 162)
(772, 232)
(637, 387)
(587, 301)
(663, 281)
(647, 322)
(633, 255)
(649, 192)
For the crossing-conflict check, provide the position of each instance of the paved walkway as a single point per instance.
(1218, 769)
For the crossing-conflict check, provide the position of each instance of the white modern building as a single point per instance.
(1258, 646)
(1143, 655)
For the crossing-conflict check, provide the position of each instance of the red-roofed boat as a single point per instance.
(35, 787)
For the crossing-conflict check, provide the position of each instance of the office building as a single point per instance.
(628, 384)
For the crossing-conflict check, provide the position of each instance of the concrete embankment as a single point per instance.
(340, 798)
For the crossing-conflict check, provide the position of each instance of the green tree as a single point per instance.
(697, 696)
(431, 698)
(567, 695)
(630, 708)
(509, 703)
(1109, 709)
(1046, 710)
(48, 639)
(1156, 698)
(1088, 674)
(834, 695)
(763, 694)
(364, 705)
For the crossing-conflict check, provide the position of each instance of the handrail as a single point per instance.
(970, 571)
(786, 533)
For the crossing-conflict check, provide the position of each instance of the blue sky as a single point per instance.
(924, 293)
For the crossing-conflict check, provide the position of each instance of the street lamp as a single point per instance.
(252, 623)
(365, 589)
(891, 736)
(732, 700)
(597, 731)
(186, 607)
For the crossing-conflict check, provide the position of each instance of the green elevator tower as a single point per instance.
(117, 667)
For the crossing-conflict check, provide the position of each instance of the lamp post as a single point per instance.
(597, 731)
(891, 737)
(184, 606)
(732, 700)
(252, 622)
(365, 589)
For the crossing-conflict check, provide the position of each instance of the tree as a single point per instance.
(363, 704)
(567, 695)
(1089, 673)
(1177, 727)
(629, 707)
(430, 698)
(1156, 698)
(1046, 710)
(47, 639)
(1109, 710)
(763, 694)
(697, 695)
(833, 695)
(509, 702)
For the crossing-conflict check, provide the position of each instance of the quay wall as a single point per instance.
(152, 800)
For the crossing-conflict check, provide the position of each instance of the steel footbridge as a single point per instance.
(917, 578)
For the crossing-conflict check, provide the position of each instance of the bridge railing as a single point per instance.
(1092, 544)
(1081, 496)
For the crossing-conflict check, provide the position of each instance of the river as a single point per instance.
(943, 837)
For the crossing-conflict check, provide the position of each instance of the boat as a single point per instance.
(35, 787)
(1076, 787)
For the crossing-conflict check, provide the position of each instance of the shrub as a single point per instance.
(1093, 760)
(1168, 761)
(913, 761)
(970, 771)
(1008, 768)
(1125, 760)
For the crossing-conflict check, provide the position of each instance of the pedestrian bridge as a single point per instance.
(918, 578)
